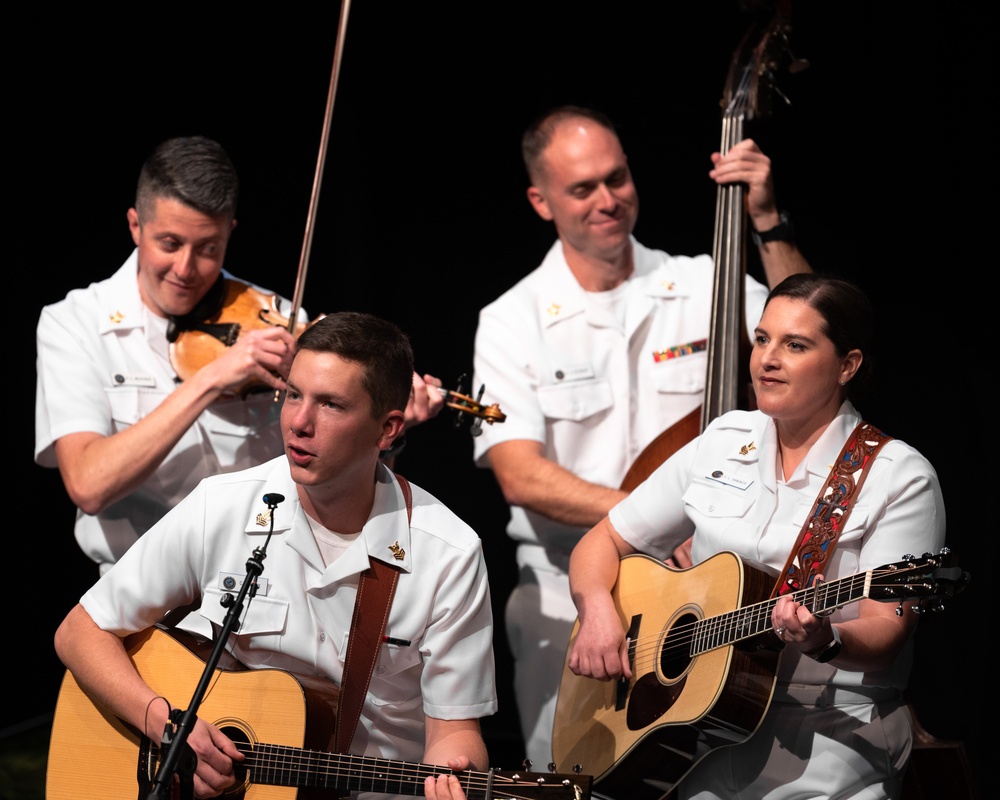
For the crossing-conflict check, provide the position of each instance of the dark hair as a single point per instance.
(194, 170)
(848, 318)
(379, 346)
(539, 134)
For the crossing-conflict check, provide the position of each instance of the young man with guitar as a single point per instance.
(593, 355)
(336, 514)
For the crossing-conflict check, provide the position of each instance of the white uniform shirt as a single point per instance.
(727, 494)
(567, 375)
(300, 620)
(100, 370)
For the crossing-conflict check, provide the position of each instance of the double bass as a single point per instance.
(748, 94)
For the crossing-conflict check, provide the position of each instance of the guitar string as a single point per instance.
(331, 770)
(754, 619)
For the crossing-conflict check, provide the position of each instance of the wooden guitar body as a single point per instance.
(92, 754)
(704, 664)
(283, 725)
(715, 699)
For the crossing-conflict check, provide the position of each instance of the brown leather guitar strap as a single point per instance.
(818, 536)
(371, 612)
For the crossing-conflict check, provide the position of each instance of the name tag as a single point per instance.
(729, 480)
(233, 582)
(133, 379)
(575, 372)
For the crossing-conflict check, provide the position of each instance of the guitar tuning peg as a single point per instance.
(552, 766)
(577, 769)
(908, 557)
(526, 765)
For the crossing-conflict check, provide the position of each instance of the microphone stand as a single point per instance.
(175, 743)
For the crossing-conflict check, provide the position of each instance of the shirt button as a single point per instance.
(380, 669)
(322, 637)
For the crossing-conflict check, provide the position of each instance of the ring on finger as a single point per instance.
(780, 630)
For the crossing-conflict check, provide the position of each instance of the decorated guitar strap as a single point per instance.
(818, 536)
(371, 612)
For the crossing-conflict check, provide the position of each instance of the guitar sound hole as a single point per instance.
(674, 653)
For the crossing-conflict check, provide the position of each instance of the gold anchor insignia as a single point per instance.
(747, 448)
(263, 518)
(668, 285)
(398, 552)
(117, 317)
(554, 309)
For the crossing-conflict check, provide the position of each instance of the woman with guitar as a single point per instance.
(759, 484)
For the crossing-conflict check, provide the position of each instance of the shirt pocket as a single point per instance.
(264, 615)
(575, 401)
(682, 375)
(395, 681)
(716, 500)
(129, 404)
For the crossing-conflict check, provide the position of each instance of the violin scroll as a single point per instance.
(464, 404)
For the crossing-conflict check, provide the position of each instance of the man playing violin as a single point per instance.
(593, 355)
(131, 440)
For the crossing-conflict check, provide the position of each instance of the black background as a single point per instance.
(422, 219)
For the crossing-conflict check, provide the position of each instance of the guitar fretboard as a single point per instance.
(755, 619)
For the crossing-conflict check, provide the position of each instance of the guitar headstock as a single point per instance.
(929, 579)
(540, 785)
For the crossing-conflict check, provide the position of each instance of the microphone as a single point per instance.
(273, 498)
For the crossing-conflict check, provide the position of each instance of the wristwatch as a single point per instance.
(829, 651)
(784, 231)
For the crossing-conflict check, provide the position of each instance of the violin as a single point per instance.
(230, 309)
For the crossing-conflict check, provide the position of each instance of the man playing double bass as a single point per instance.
(593, 355)
(131, 440)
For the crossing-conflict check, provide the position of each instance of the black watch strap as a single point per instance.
(829, 651)
(784, 231)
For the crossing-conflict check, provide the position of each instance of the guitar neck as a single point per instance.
(753, 620)
(277, 765)
(280, 765)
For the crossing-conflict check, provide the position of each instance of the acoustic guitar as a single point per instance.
(275, 719)
(704, 664)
